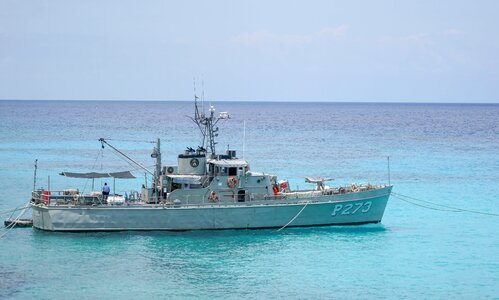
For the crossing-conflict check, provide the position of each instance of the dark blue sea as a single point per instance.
(445, 154)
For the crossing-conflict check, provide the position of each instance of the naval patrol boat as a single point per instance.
(207, 191)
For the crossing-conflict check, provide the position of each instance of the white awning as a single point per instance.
(120, 175)
(228, 162)
(191, 179)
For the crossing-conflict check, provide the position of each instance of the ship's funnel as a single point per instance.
(192, 163)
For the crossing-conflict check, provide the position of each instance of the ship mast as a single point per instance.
(156, 153)
(207, 125)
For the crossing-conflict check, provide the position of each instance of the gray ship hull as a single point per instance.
(352, 208)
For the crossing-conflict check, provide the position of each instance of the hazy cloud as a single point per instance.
(262, 38)
(332, 31)
(452, 32)
(428, 51)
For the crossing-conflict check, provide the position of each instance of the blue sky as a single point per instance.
(400, 51)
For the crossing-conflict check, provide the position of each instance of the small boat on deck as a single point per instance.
(18, 222)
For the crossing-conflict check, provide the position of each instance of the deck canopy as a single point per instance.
(190, 179)
(228, 162)
(92, 175)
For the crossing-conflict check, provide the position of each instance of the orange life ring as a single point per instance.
(232, 182)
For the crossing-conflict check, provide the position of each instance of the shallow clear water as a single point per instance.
(447, 154)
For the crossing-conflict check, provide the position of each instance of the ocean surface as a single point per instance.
(446, 154)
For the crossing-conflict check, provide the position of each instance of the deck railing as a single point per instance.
(64, 198)
(72, 197)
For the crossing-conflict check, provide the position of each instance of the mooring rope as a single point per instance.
(448, 208)
(12, 210)
(424, 206)
(291, 221)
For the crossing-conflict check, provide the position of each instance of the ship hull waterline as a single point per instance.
(348, 209)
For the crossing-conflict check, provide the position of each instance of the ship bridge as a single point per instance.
(228, 167)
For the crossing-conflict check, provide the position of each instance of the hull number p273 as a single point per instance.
(350, 209)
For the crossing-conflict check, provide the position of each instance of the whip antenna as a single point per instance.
(388, 165)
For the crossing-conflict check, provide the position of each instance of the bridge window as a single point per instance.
(232, 171)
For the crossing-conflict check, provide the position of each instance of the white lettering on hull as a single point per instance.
(351, 209)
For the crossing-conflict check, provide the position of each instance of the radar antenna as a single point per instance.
(207, 125)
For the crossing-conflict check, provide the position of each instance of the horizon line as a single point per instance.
(260, 101)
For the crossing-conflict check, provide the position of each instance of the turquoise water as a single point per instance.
(447, 154)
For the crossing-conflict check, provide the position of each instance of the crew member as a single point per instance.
(105, 191)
